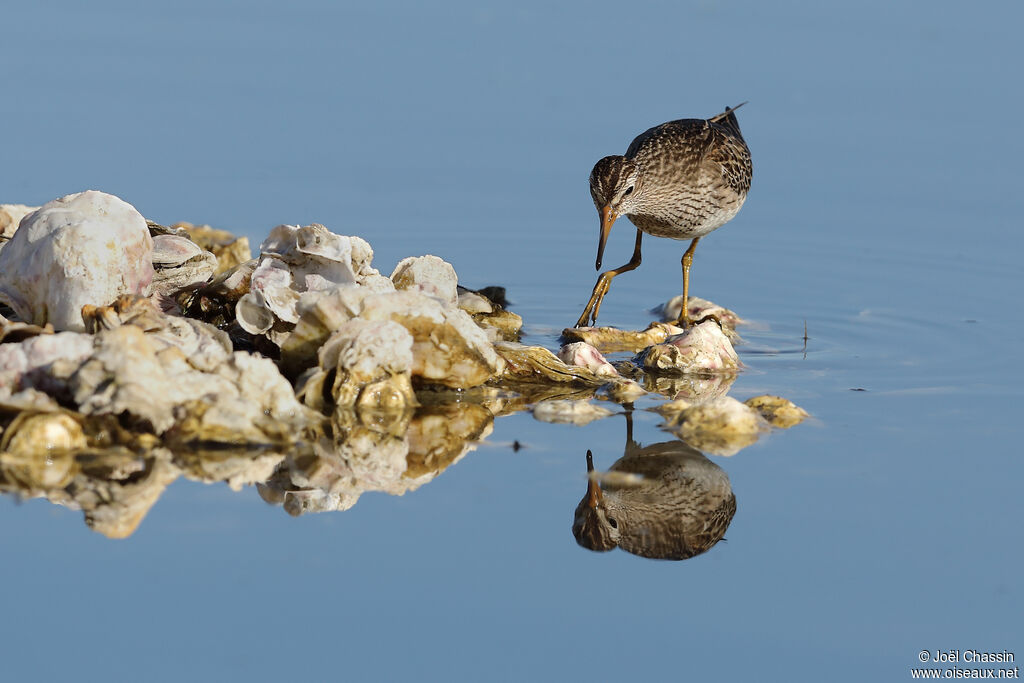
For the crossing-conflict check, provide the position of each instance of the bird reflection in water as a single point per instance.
(663, 501)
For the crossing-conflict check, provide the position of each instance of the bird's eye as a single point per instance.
(629, 191)
(615, 525)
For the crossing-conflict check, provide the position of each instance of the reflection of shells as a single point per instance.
(779, 412)
(115, 508)
(569, 412)
(723, 426)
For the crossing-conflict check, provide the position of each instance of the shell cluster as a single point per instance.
(133, 353)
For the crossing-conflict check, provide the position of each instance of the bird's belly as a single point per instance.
(686, 222)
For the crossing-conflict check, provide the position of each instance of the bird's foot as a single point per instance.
(685, 322)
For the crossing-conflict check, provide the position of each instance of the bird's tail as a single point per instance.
(728, 120)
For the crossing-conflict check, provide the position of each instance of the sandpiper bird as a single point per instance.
(681, 179)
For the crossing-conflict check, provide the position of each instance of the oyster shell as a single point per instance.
(85, 248)
(702, 348)
(428, 275)
(10, 218)
(365, 364)
(178, 262)
(537, 364)
(230, 250)
(612, 339)
(585, 355)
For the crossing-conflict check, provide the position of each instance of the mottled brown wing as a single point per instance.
(729, 156)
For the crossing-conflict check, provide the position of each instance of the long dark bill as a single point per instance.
(593, 488)
(607, 218)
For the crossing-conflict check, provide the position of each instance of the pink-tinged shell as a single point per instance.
(702, 348)
(585, 355)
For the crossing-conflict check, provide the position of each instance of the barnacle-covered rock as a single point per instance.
(85, 248)
(778, 411)
(701, 348)
(722, 426)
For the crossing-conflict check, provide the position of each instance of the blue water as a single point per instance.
(884, 213)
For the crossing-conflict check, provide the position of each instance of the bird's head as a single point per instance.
(615, 187)
(593, 526)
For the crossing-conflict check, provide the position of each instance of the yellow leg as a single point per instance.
(604, 282)
(684, 318)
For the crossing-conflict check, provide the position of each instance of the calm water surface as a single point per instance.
(884, 214)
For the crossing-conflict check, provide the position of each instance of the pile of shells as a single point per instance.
(133, 353)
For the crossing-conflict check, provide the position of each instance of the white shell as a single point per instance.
(702, 348)
(10, 218)
(585, 355)
(179, 262)
(428, 275)
(85, 248)
(297, 263)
